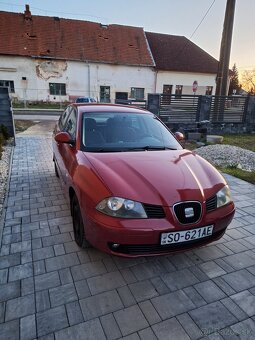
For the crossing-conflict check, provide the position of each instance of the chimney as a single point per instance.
(27, 13)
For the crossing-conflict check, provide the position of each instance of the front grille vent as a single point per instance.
(211, 203)
(188, 212)
(154, 211)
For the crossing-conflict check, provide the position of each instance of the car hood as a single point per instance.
(157, 177)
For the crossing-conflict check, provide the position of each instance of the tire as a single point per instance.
(56, 169)
(78, 226)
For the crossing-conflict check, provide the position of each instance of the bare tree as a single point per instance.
(248, 81)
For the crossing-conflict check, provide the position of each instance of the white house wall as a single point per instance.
(81, 78)
(186, 80)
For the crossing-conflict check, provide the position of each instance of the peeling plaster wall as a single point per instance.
(40, 72)
(47, 69)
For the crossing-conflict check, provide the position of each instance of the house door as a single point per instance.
(105, 94)
(167, 91)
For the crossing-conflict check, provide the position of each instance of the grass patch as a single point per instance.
(245, 141)
(22, 125)
(244, 175)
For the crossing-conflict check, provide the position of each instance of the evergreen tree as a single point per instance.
(234, 81)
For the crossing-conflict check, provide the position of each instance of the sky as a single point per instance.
(177, 17)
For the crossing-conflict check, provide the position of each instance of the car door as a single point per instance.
(68, 151)
(57, 147)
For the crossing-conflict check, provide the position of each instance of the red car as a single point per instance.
(133, 189)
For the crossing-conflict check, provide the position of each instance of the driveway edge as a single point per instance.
(2, 218)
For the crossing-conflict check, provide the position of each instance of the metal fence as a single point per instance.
(232, 113)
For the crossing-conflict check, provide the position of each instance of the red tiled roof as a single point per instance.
(177, 53)
(52, 37)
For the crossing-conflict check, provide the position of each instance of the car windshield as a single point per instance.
(118, 132)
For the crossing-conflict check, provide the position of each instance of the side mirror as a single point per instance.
(179, 136)
(64, 137)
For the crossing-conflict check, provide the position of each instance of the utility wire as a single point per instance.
(188, 40)
(205, 15)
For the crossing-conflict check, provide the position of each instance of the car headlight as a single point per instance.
(121, 207)
(223, 196)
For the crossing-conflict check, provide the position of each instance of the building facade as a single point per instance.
(52, 59)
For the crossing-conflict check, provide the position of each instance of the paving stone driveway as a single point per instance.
(51, 289)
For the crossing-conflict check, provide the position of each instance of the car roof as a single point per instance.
(103, 107)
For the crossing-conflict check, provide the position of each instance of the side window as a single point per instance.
(70, 125)
(63, 118)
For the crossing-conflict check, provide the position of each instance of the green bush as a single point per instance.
(4, 131)
(1, 144)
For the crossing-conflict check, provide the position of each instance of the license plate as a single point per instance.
(187, 235)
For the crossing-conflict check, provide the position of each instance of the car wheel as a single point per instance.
(56, 169)
(78, 227)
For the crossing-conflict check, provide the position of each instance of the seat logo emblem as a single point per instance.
(189, 212)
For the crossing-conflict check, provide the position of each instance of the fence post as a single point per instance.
(205, 107)
(153, 103)
(250, 114)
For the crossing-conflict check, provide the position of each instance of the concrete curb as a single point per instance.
(2, 217)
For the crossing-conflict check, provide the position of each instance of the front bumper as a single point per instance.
(142, 237)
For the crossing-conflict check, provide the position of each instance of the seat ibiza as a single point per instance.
(133, 189)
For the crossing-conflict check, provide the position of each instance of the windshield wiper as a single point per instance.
(150, 147)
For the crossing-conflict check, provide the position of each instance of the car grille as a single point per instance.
(181, 209)
(154, 211)
(141, 249)
(211, 203)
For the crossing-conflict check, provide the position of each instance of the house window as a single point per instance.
(105, 94)
(8, 83)
(209, 90)
(178, 90)
(57, 89)
(137, 93)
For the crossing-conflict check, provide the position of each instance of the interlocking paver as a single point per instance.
(214, 315)
(111, 329)
(177, 332)
(42, 300)
(100, 304)
(62, 294)
(20, 272)
(62, 261)
(149, 312)
(87, 270)
(48, 280)
(28, 327)
(240, 280)
(19, 307)
(130, 320)
(51, 320)
(143, 290)
(74, 313)
(126, 296)
(86, 330)
(51, 289)
(246, 301)
(179, 279)
(10, 330)
(209, 291)
(44, 253)
(147, 334)
(9, 290)
(172, 304)
(9, 260)
(102, 283)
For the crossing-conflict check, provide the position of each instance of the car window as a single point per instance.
(114, 131)
(70, 125)
(63, 118)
